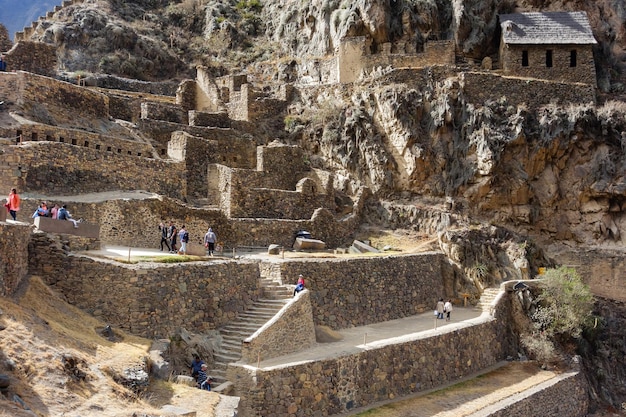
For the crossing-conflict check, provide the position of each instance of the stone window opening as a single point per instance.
(86, 144)
(130, 152)
(572, 58)
(524, 58)
(119, 150)
(49, 138)
(18, 134)
(138, 153)
(61, 139)
(98, 147)
(549, 58)
(108, 149)
(73, 141)
(34, 136)
(162, 151)
(234, 159)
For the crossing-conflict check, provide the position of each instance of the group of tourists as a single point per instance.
(199, 372)
(61, 213)
(170, 235)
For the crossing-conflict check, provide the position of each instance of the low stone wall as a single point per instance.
(164, 88)
(565, 395)
(14, 240)
(291, 330)
(356, 292)
(382, 371)
(480, 87)
(275, 204)
(149, 300)
(216, 119)
(162, 111)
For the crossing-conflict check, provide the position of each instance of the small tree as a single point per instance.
(564, 309)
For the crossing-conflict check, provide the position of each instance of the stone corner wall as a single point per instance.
(36, 57)
(291, 330)
(14, 239)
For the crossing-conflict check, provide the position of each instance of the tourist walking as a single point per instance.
(172, 232)
(209, 241)
(447, 308)
(183, 235)
(164, 234)
(439, 308)
(13, 203)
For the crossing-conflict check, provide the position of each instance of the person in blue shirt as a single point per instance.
(3, 63)
(196, 364)
(204, 381)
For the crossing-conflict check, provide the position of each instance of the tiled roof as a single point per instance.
(546, 28)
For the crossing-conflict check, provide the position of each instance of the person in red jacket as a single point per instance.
(13, 203)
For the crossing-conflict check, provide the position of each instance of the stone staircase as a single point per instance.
(275, 296)
(486, 299)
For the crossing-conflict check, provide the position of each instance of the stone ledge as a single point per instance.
(47, 224)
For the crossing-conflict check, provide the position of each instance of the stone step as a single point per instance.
(226, 357)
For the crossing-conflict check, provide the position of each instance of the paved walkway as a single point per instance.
(361, 338)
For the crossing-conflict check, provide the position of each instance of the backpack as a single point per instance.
(186, 237)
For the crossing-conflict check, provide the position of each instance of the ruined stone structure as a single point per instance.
(354, 55)
(548, 45)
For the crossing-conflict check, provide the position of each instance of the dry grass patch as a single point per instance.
(59, 363)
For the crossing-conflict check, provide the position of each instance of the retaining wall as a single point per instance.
(149, 300)
(356, 292)
(382, 371)
(565, 395)
(62, 169)
(479, 87)
(14, 240)
(291, 330)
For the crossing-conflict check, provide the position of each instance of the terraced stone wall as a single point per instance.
(149, 300)
(355, 292)
(34, 57)
(14, 240)
(480, 87)
(54, 94)
(566, 395)
(54, 168)
(379, 373)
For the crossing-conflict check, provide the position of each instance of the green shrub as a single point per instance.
(564, 310)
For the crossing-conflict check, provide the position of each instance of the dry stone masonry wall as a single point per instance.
(14, 240)
(357, 292)
(378, 373)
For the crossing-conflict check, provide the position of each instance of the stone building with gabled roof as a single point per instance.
(548, 45)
